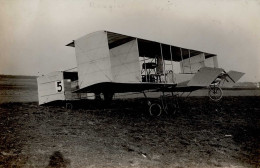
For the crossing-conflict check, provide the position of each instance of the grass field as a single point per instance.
(202, 133)
(18, 89)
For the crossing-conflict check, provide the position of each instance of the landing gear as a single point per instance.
(155, 110)
(215, 93)
(167, 104)
(170, 103)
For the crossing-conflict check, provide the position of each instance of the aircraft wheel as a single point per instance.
(155, 109)
(69, 106)
(170, 109)
(215, 93)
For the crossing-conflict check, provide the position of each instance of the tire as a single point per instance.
(215, 93)
(170, 109)
(155, 110)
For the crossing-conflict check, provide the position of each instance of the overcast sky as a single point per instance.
(33, 33)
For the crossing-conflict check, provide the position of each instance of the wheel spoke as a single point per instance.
(215, 93)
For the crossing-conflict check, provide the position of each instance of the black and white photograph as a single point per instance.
(129, 84)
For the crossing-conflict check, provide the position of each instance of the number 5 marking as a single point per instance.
(59, 86)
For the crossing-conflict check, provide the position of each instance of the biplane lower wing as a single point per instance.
(124, 87)
(203, 78)
(183, 89)
(135, 87)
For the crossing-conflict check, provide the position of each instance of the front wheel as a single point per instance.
(155, 109)
(215, 93)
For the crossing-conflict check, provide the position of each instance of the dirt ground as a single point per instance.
(201, 134)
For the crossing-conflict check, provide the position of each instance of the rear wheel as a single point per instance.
(170, 109)
(215, 93)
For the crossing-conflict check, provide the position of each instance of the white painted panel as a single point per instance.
(209, 62)
(51, 87)
(196, 66)
(205, 76)
(53, 76)
(48, 90)
(183, 77)
(197, 58)
(93, 55)
(95, 72)
(185, 63)
(93, 59)
(125, 63)
(215, 60)
(193, 64)
(186, 69)
(92, 41)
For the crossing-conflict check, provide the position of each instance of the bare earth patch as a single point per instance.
(202, 134)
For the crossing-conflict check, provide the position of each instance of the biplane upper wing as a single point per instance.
(205, 76)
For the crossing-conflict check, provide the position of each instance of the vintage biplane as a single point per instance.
(109, 63)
